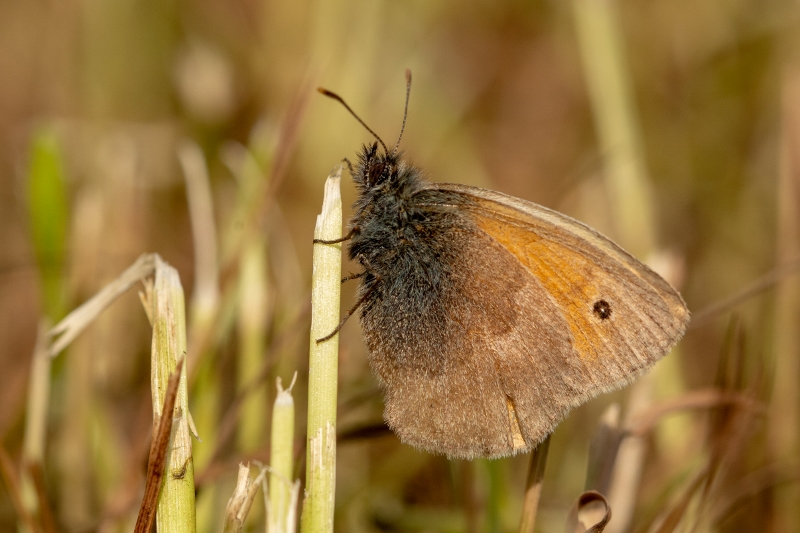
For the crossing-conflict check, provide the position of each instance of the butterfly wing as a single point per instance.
(525, 314)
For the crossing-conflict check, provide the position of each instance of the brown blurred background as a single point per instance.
(97, 98)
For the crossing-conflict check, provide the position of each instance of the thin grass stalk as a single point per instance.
(205, 296)
(79, 456)
(495, 494)
(624, 487)
(248, 164)
(38, 399)
(205, 303)
(602, 48)
(323, 365)
(533, 486)
(47, 217)
(603, 450)
(785, 404)
(83, 461)
(176, 505)
(464, 477)
(252, 331)
(281, 458)
(8, 472)
(33, 444)
(47, 517)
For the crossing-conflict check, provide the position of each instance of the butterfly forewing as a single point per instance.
(579, 265)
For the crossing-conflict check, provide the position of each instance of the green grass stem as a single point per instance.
(252, 322)
(323, 365)
(176, 505)
(47, 217)
(281, 458)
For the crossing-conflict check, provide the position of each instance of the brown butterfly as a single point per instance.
(486, 317)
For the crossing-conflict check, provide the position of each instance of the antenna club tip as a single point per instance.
(323, 90)
(408, 75)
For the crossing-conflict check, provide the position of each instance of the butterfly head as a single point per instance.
(375, 166)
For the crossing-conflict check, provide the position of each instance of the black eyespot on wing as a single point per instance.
(602, 309)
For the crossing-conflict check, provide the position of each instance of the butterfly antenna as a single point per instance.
(405, 112)
(339, 99)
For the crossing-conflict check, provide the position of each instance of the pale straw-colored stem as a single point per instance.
(323, 365)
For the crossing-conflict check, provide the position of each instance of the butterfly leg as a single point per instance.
(353, 276)
(349, 165)
(352, 310)
(347, 237)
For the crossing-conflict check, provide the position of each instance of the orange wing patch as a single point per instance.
(565, 274)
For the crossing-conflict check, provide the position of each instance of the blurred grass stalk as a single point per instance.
(533, 486)
(37, 410)
(600, 37)
(205, 296)
(47, 212)
(253, 285)
(252, 322)
(85, 463)
(318, 506)
(601, 41)
(495, 494)
(785, 404)
(204, 315)
(247, 164)
(176, 504)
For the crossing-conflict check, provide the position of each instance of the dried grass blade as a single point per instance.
(75, 322)
(158, 454)
(699, 399)
(761, 284)
(589, 514)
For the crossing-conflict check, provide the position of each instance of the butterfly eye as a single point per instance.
(374, 173)
(602, 309)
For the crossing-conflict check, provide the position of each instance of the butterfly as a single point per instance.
(487, 318)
